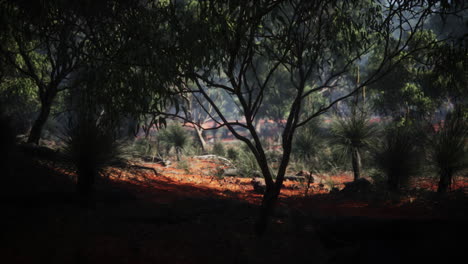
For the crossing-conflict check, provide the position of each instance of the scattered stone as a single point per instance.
(230, 172)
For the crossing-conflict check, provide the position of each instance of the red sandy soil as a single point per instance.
(192, 217)
(174, 184)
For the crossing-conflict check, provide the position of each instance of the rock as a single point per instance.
(359, 186)
(231, 172)
(258, 185)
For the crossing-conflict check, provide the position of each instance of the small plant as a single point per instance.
(183, 165)
(246, 163)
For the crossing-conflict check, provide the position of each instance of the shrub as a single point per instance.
(144, 147)
(232, 154)
(218, 149)
(246, 163)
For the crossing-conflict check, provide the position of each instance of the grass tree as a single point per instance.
(354, 134)
(174, 135)
(448, 148)
(400, 154)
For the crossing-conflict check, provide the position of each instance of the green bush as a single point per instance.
(144, 147)
(218, 149)
(232, 154)
(246, 163)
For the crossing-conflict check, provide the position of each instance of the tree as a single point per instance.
(47, 49)
(317, 43)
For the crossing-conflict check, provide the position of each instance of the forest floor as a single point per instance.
(172, 215)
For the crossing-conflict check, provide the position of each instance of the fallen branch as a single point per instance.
(145, 168)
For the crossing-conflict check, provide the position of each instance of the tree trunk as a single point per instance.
(356, 160)
(309, 181)
(85, 186)
(177, 150)
(200, 138)
(268, 204)
(445, 182)
(38, 125)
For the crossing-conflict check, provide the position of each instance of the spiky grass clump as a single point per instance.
(353, 134)
(448, 147)
(400, 155)
(174, 136)
(91, 146)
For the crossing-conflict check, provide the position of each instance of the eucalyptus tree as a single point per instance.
(317, 43)
(46, 47)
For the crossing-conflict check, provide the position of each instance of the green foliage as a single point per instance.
(308, 142)
(355, 131)
(218, 149)
(19, 100)
(413, 88)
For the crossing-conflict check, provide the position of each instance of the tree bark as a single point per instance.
(200, 138)
(36, 130)
(445, 182)
(356, 161)
(266, 209)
